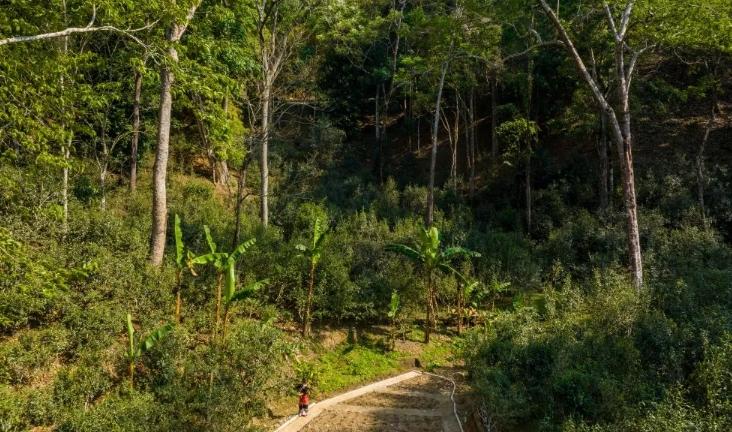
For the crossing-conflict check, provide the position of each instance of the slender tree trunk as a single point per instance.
(135, 131)
(433, 161)
(529, 137)
(306, 325)
(65, 186)
(700, 168)
(620, 127)
(377, 135)
(160, 168)
(264, 161)
(455, 143)
(624, 143)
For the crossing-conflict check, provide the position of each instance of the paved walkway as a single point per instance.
(411, 402)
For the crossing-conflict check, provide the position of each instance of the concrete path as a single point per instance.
(411, 402)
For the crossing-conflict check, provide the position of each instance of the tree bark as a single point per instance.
(135, 131)
(264, 155)
(160, 169)
(65, 186)
(429, 219)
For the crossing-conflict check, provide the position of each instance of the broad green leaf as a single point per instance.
(230, 285)
(155, 337)
(249, 291)
(406, 251)
(234, 256)
(209, 239)
(131, 337)
(178, 243)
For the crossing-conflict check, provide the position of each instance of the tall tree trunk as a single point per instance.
(620, 128)
(135, 131)
(160, 169)
(264, 155)
(377, 135)
(433, 161)
(65, 184)
(624, 142)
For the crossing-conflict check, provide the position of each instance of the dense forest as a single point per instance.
(195, 194)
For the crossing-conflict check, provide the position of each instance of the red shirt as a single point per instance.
(304, 399)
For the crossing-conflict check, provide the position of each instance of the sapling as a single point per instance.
(224, 263)
(313, 253)
(394, 307)
(138, 346)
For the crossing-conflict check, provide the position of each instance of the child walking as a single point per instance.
(304, 400)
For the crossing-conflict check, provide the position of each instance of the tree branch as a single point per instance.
(75, 30)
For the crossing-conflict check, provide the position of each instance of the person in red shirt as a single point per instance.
(304, 400)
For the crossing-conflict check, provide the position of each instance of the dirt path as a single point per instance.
(411, 402)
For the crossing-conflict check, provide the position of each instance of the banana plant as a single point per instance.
(183, 261)
(464, 291)
(224, 263)
(394, 306)
(232, 295)
(138, 346)
(312, 253)
(431, 257)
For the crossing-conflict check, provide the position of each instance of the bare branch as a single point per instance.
(76, 30)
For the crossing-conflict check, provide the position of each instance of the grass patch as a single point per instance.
(349, 365)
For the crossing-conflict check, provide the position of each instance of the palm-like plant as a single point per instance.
(138, 346)
(465, 289)
(312, 253)
(232, 295)
(431, 257)
(394, 306)
(225, 264)
(183, 261)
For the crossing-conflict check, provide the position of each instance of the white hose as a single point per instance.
(452, 397)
